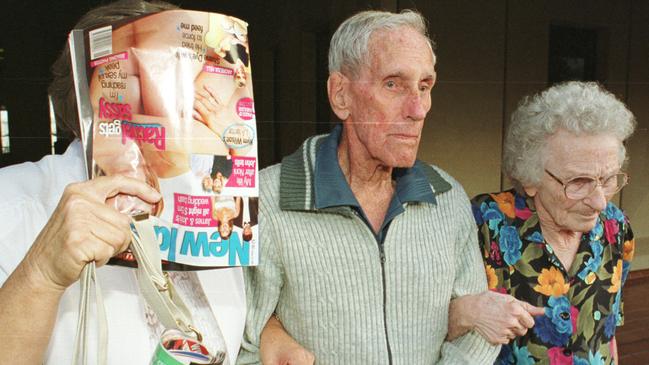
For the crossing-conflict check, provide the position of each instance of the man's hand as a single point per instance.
(83, 229)
(497, 317)
(277, 347)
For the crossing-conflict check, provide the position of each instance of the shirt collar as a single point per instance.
(297, 178)
(332, 189)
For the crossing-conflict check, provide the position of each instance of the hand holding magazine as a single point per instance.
(167, 99)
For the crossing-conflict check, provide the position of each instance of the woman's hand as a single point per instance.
(84, 229)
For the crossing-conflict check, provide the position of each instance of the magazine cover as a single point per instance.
(167, 98)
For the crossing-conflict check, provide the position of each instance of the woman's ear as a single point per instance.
(530, 191)
(337, 90)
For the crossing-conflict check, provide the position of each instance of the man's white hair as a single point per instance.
(349, 45)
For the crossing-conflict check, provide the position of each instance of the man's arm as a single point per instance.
(263, 286)
(501, 317)
(469, 279)
(82, 229)
(279, 348)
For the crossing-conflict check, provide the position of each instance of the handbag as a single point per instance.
(181, 338)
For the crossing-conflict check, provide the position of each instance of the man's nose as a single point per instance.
(417, 106)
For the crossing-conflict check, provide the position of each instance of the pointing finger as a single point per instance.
(533, 310)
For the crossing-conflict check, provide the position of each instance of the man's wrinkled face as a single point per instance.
(391, 95)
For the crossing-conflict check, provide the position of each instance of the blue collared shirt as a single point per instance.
(332, 189)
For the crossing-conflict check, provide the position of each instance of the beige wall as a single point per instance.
(635, 198)
(492, 53)
(467, 100)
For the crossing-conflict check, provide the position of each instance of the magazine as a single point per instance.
(167, 98)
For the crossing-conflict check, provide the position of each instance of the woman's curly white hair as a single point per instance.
(581, 108)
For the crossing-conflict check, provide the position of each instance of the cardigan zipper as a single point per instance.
(385, 316)
(385, 295)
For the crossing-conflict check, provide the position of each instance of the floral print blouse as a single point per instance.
(583, 303)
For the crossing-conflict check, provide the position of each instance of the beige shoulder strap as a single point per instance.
(155, 286)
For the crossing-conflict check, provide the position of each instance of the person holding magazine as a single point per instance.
(53, 222)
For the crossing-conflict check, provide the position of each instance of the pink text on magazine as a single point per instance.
(121, 117)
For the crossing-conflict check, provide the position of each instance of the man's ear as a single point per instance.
(337, 90)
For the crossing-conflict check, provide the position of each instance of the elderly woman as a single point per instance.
(556, 240)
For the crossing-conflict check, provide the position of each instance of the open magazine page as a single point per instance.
(171, 101)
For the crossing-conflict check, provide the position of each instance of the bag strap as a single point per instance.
(88, 278)
(155, 286)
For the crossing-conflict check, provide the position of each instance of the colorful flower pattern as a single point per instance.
(492, 279)
(583, 303)
(551, 283)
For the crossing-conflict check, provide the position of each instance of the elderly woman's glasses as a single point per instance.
(582, 186)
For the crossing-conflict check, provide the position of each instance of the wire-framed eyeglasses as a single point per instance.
(580, 187)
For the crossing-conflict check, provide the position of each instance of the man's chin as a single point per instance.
(404, 162)
(397, 156)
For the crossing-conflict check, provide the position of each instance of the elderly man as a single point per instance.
(364, 246)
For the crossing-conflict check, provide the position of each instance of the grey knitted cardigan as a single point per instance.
(321, 271)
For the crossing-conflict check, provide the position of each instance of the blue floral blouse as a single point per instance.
(583, 303)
